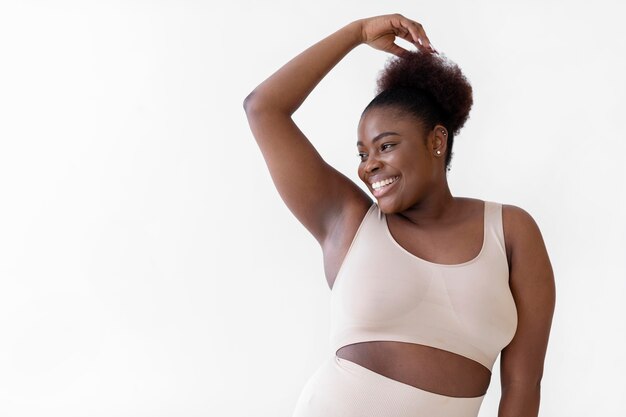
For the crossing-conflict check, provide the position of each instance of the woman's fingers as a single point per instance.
(414, 33)
(419, 44)
(413, 28)
(397, 50)
(418, 34)
(380, 32)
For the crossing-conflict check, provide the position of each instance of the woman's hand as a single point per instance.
(380, 32)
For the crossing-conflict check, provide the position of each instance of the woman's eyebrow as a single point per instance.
(378, 137)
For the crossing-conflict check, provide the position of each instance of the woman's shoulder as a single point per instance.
(516, 217)
(513, 214)
(520, 228)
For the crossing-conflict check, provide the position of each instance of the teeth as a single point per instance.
(380, 184)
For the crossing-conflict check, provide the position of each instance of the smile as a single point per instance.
(381, 187)
(381, 184)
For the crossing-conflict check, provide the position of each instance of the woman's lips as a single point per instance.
(384, 190)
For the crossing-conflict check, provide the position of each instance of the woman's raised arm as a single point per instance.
(316, 193)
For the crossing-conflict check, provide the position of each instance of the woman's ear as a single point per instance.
(440, 140)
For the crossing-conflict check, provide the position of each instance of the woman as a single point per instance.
(426, 288)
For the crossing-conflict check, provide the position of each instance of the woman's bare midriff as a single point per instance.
(423, 367)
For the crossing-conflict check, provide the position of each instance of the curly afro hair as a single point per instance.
(428, 86)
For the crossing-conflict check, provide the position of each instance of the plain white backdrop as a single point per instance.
(148, 267)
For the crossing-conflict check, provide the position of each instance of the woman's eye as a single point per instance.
(386, 144)
(361, 156)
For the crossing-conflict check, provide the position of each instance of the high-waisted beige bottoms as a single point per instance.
(342, 388)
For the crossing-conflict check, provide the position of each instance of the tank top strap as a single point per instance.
(495, 230)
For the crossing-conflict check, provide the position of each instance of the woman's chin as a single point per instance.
(387, 206)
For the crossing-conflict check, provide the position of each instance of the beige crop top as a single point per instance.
(384, 292)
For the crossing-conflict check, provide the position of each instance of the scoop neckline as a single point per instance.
(482, 249)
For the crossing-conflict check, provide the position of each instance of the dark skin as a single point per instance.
(422, 214)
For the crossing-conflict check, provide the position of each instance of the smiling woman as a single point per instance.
(403, 150)
(427, 289)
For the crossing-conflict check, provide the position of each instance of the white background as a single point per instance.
(148, 267)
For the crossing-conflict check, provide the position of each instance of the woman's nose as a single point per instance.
(372, 164)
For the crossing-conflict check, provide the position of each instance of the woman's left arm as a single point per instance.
(532, 284)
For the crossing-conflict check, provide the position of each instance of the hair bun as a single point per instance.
(441, 78)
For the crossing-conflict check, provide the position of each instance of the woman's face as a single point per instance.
(393, 148)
